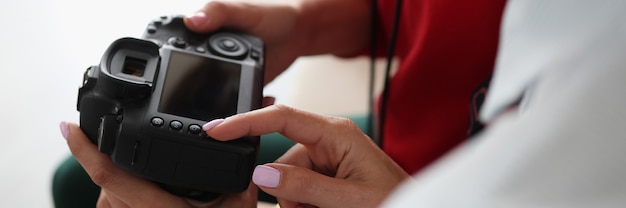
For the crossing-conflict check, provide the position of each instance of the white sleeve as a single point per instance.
(567, 146)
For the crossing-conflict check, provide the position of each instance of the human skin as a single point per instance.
(334, 164)
(123, 189)
(293, 29)
(300, 28)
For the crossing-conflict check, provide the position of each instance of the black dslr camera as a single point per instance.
(147, 100)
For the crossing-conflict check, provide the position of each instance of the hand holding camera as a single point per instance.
(144, 104)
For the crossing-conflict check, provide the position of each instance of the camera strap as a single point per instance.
(378, 133)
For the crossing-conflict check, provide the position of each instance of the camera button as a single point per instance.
(151, 29)
(254, 54)
(156, 121)
(200, 49)
(177, 42)
(228, 45)
(176, 125)
(195, 129)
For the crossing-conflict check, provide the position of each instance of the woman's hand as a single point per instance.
(122, 189)
(306, 27)
(333, 165)
(274, 24)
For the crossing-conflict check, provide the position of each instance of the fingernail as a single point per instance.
(211, 124)
(198, 18)
(266, 176)
(65, 129)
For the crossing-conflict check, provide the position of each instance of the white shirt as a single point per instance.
(565, 146)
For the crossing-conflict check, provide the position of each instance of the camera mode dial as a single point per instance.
(227, 45)
(171, 30)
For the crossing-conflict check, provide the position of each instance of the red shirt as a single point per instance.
(446, 49)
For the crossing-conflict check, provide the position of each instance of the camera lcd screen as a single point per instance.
(200, 88)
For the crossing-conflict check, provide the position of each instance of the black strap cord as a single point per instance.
(371, 101)
(390, 54)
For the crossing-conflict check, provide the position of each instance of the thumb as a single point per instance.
(217, 14)
(297, 184)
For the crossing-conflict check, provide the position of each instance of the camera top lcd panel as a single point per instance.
(146, 101)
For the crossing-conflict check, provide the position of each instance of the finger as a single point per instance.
(296, 184)
(270, 22)
(216, 14)
(104, 173)
(103, 202)
(300, 126)
(110, 200)
(328, 139)
(287, 204)
(297, 155)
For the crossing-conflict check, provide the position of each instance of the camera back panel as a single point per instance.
(146, 101)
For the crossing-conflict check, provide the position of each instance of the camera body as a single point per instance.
(146, 102)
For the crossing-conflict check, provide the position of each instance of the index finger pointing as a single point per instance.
(302, 127)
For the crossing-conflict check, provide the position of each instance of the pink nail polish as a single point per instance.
(266, 176)
(65, 129)
(212, 124)
(198, 18)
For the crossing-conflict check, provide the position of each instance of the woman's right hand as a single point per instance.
(334, 163)
(300, 28)
(272, 23)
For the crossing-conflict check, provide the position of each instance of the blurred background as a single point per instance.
(47, 44)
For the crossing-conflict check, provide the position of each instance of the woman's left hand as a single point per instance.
(122, 189)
